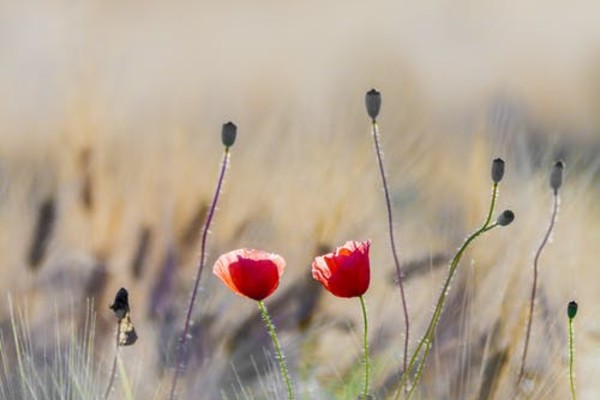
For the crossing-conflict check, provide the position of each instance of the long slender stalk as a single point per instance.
(399, 276)
(572, 359)
(555, 201)
(113, 370)
(280, 357)
(426, 341)
(184, 336)
(366, 349)
(127, 393)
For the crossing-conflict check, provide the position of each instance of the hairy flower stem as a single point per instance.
(184, 336)
(399, 276)
(572, 359)
(366, 390)
(555, 201)
(426, 341)
(113, 370)
(280, 357)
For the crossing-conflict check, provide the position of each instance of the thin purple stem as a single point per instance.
(180, 348)
(534, 286)
(388, 204)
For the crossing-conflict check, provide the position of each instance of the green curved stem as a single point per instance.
(572, 359)
(424, 346)
(366, 389)
(280, 357)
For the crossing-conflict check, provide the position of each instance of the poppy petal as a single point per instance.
(346, 271)
(249, 272)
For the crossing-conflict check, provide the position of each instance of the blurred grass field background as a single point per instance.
(110, 121)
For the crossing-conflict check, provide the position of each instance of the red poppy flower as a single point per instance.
(251, 273)
(345, 272)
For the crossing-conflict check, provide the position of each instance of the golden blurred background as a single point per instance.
(110, 120)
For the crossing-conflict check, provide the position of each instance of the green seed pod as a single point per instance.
(572, 309)
(373, 102)
(556, 175)
(228, 134)
(506, 218)
(497, 170)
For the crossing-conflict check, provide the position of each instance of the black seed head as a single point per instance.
(556, 175)
(121, 304)
(373, 103)
(228, 134)
(506, 218)
(497, 170)
(572, 309)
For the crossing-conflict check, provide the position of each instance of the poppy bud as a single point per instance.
(572, 309)
(228, 134)
(556, 175)
(373, 102)
(497, 170)
(506, 218)
(121, 304)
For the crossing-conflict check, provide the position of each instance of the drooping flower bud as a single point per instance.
(572, 309)
(228, 134)
(373, 103)
(497, 170)
(556, 175)
(121, 304)
(506, 218)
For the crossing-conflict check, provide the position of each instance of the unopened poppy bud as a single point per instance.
(572, 309)
(506, 218)
(121, 304)
(497, 170)
(373, 102)
(556, 175)
(228, 134)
